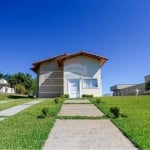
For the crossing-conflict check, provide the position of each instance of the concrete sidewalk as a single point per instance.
(85, 134)
(16, 109)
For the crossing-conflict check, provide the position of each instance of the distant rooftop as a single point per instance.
(3, 81)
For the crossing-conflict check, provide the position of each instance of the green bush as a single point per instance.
(83, 95)
(44, 112)
(91, 96)
(115, 111)
(97, 100)
(87, 96)
(56, 100)
(20, 89)
(65, 96)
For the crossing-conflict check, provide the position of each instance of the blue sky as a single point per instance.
(31, 30)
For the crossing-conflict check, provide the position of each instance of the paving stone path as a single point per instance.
(80, 110)
(16, 109)
(85, 134)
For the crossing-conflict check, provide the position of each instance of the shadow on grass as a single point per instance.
(18, 96)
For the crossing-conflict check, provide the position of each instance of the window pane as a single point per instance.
(90, 83)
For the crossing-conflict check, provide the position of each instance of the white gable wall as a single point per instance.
(81, 68)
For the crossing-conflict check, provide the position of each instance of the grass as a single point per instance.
(4, 96)
(13, 103)
(136, 126)
(25, 130)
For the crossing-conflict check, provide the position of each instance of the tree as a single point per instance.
(21, 79)
(34, 86)
(23, 83)
(147, 86)
(7, 76)
(1, 75)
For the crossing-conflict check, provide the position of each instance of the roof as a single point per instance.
(61, 58)
(3, 82)
(37, 64)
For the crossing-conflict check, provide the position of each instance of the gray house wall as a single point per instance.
(50, 80)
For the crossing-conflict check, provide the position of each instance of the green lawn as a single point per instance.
(25, 130)
(137, 125)
(12, 103)
(3, 96)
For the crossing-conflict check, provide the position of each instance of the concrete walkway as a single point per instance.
(79, 108)
(77, 101)
(16, 109)
(85, 134)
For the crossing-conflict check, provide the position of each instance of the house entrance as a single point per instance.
(74, 90)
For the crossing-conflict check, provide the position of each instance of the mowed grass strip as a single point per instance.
(137, 125)
(12, 103)
(25, 130)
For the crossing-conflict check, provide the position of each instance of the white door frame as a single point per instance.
(78, 94)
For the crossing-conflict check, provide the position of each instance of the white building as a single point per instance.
(130, 89)
(4, 87)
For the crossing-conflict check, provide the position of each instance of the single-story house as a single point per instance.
(74, 74)
(4, 87)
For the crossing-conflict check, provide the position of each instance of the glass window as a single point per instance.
(90, 83)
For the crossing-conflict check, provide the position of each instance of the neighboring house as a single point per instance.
(130, 89)
(74, 74)
(4, 88)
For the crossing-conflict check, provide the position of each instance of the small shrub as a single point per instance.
(83, 95)
(56, 100)
(44, 114)
(98, 100)
(45, 111)
(65, 96)
(115, 111)
(91, 96)
(87, 96)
